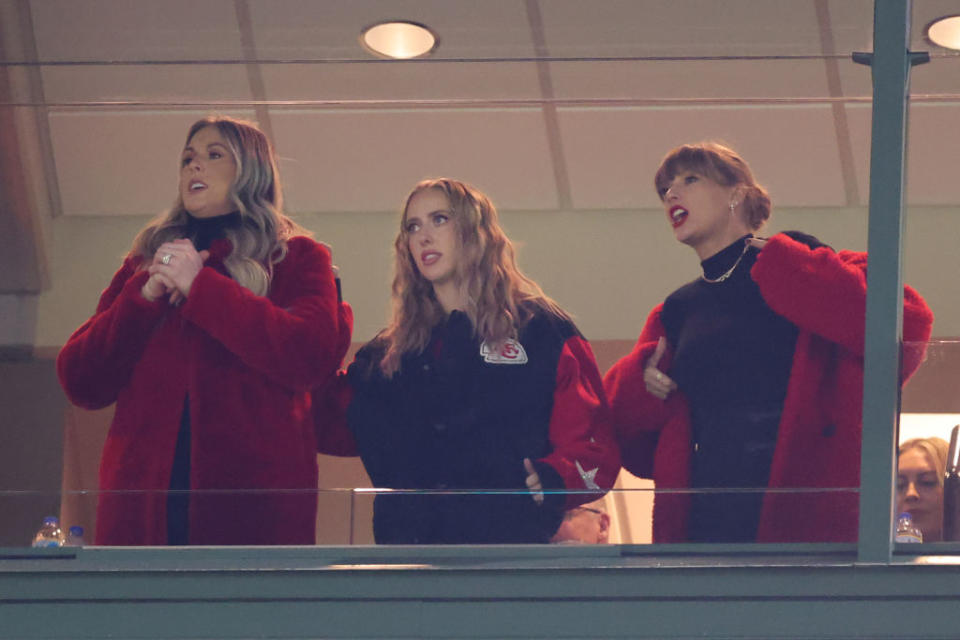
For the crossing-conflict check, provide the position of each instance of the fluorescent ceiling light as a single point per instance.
(945, 32)
(399, 39)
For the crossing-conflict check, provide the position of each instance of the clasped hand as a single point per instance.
(174, 268)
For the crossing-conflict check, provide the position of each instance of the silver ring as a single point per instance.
(659, 376)
(166, 258)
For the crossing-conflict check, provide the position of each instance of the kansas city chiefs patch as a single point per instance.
(509, 352)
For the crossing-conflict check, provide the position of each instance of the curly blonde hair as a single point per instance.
(499, 298)
(260, 241)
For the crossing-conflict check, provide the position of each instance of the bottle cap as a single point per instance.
(76, 531)
(51, 520)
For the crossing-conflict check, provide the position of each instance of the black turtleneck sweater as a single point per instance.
(732, 360)
(202, 232)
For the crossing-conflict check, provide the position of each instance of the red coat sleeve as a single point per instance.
(584, 454)
(825, 293)
(637, 415)
(331, 399)
(298, 345)
(330, 404)
(98, 359)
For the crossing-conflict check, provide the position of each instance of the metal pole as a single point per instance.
(891, 61)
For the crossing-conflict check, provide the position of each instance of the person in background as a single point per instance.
(481, 386)
(210, 336)
(921, 465)
(586, 524)
(750, 376)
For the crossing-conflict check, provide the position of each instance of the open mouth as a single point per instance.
(678, 215)
(197, 186)
(427, 258)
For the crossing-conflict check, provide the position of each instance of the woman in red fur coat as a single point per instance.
(750, 376)
(209, 338)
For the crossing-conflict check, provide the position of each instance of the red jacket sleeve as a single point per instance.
(330, 404)
(331, 399)
(98, 359)
(825, 293)
(584, 454)
(637, 415)
(298, 345)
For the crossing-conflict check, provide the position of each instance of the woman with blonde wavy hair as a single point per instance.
(481, 388)
(221, 318)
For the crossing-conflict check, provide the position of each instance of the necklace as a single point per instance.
(728, 272)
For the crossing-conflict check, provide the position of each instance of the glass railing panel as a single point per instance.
(365, 516)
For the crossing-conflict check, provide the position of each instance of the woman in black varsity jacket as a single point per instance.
(480, 382)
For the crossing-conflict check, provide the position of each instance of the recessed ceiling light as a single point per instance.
(945, 32)
(399, 39)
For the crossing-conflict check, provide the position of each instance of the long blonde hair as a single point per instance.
(499, 298)
(260, 241)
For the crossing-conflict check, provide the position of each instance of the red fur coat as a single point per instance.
(818, 442)
(246, 363)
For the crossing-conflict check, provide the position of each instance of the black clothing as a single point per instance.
(202, 232)
(451, 420)
(732, 360)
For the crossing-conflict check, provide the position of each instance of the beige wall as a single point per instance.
(608, 268)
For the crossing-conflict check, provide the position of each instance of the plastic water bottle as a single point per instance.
(49, 534)
(74, 537)
(907, 531)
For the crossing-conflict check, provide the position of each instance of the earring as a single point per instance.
(733, 207)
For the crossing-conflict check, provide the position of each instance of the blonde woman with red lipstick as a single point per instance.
(750, 376)
(480, 386)
(208, 339)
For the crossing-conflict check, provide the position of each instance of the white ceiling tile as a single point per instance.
(696, 27)
(940, 76)
(369, 161)
(162, 84)
(612, 154)
(934, 154)
(402, 81)
(858, 123)
(119, 163)
(106, 30)
(696, 79)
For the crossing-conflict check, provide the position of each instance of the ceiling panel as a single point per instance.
(403, 81)
(697, 27)
(696, 79)
(119, 163)
(613, 154)
(84, 30)
(307, 29)
(933, 152)
(368, 161)
(925, 12)
(162, 84)
(938, 77)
